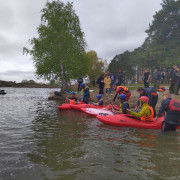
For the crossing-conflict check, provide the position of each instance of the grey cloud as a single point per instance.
(17, 75)
(111, 27)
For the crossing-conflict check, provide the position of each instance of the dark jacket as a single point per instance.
(172, 116)
(150, 93)
(172, 74)
(100, 78)
(156, 76)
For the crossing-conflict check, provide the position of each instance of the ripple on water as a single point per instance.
(39, 142)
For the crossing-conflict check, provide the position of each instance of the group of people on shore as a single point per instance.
(148, 98)
(158, 77)
(108, 81)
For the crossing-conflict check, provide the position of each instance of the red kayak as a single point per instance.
(95, 112)
(64, 107)
(68, 106)
(80, 106)
(124, 120)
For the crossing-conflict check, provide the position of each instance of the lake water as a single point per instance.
(39, 142)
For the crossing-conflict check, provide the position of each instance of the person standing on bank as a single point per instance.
(100, 81)
(172, 116)
(120, 78)
(172, 79)
(80, 81)
(162, 77)
(107, 84)
(112, 80)
(156, 78)
(177, 85)
(146, 78)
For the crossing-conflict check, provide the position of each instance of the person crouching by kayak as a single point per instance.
(100, 101)
(72, 99)
(151, 94)
(121, 90)
(172, 109)
(146, 113)
(86, 94)
(124, 105)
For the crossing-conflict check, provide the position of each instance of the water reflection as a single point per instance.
(58, 140)
(39, 142)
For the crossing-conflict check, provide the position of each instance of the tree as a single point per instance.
(96, 66)
(58, 51)
(160, 48)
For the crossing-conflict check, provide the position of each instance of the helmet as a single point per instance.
(144, 99)
(73, 93)
(98, 96)
(82, 85)
(122, 96)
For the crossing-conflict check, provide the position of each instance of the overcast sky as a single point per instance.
(110, 27)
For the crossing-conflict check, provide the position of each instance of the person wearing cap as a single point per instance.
(100, 101)
(170, 108)
(86, 94)
(151, 94)
(124, 105)
(72, 99)
(146, 113)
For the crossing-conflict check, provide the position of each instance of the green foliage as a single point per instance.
(28, 82)
(160, 48)
(58, 51)
(95, 65)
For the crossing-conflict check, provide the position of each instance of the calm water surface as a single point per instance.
(39, 142)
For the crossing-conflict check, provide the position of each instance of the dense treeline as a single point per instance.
(160, 49)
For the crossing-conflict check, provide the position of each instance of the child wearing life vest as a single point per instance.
(72, 99)
(146, 113)
(86, 94)
(100, 101)
(124, 105)
(172, 116)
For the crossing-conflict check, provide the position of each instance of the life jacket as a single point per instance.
(123, 89)
(174, 105)
(161, 89)
(173, 113)
(72, 101)
(85, 93)
(150, 117)
(101, 100)
(121, 105)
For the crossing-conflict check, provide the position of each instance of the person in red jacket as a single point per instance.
(121, 90)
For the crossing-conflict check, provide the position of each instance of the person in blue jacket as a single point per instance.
(124, 105)
(151, 94)
(86, 94)
(100, 101)
(172, 109)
